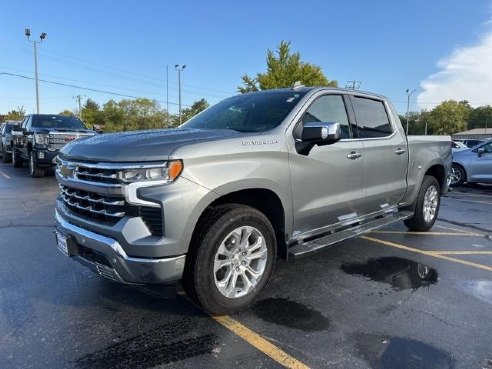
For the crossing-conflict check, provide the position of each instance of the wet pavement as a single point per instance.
(393, 299)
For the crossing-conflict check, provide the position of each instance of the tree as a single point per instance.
(188, 113)
(449, 117)
(16, 114)
(480, 117)
(91, 113)
(283, 70)
(66, 112)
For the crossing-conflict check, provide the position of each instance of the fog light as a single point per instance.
(40, 154)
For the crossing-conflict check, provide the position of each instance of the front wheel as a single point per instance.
(34, 170)
(231, 259)
(426, 206)
(458, 175)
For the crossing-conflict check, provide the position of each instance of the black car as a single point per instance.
(41, 136)
(6, 139)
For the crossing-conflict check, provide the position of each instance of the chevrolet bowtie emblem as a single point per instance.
(66, 171)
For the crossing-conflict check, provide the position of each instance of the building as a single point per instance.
(473, 134)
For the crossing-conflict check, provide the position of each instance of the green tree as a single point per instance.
(480, 117)
(283, 70)
(449, 117)
(18, 114)
(188, 113)
(66, 112)
(92, 113)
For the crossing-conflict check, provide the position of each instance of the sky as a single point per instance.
(442, 49)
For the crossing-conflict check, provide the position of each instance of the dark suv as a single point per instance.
(6, 139)
(41, 136)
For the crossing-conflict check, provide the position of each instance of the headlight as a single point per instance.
(169, 172)
(41, 138)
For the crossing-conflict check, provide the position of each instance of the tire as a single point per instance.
(5, 155)
(426, 206)
(458, 175)
(232, 243)
(34, 170)
(16, 160)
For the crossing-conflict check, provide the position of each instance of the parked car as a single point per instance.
(272, 173)
(39, 138)
(472, 165)
(6, 139)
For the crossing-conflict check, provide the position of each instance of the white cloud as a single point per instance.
(464, 75)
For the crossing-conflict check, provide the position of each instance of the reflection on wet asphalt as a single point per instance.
(157, 346)
(401, 353)
(400, 273)
(481, 290)
(290, 314)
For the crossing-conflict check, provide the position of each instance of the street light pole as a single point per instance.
(409, 93)
(43, 35)
(179, 68)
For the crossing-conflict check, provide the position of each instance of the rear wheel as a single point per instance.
(34, 170)
(231, 259)
(16, 160)
(426, 206)
(458, 175)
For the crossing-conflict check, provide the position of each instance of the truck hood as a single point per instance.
(138, 146)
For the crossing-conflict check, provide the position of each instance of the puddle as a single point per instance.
(290, 314)
(401, 273)
(481, 290)
(158, 346)
(401, 353)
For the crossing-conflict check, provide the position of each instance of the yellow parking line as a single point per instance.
(435, 254)
(260, 343)
(463, 252)
(464, 234)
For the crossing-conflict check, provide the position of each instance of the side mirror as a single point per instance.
(321, 133)
(481, 151)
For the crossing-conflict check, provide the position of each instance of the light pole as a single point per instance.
(179, 68)
(43, 35)
(409, 93)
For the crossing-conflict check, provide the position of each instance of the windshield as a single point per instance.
(57, 121)
(8, 127)
(255, 112)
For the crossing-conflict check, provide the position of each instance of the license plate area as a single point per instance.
(66, 244)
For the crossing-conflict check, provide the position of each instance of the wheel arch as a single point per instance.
(261, 199)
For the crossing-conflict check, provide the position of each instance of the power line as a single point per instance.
(84, 88)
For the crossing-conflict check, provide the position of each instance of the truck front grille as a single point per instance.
(58, 140)
(98, 175)
(109, 209)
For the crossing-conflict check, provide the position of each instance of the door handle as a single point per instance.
(354, 155)
(400, 151)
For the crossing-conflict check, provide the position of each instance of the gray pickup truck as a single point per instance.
(213, 203)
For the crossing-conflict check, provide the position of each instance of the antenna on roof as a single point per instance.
(297, 85)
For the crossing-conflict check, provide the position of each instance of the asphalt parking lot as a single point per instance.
(390, 299)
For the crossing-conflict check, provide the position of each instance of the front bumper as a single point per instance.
(45, 158)
(106, 256)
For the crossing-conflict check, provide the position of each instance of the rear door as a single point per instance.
(327, 183)
(385, 152)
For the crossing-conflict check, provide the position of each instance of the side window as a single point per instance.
(372, 118)
(328, 108)
(28, 123)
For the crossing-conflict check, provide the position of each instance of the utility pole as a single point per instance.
(409, 93)
(79, 100)
(167, 93)
(43, 35)
(179, 68)
(353, 85)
